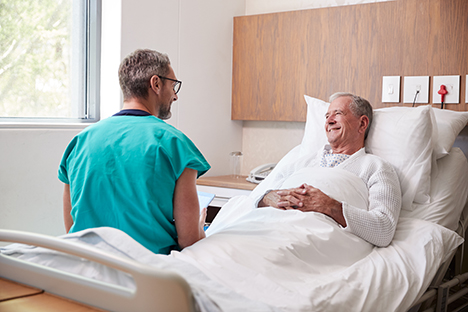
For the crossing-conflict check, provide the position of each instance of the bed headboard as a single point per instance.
(279, 57)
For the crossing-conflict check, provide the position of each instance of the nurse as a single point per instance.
(133, 171)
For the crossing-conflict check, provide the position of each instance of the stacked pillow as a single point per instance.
(449, 192)
(315, 136)
(449, 125)
(411, 139)
(406, 137)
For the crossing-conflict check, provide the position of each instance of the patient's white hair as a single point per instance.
(358, 106)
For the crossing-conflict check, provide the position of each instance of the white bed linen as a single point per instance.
(209, 295)
(269, 259)
(352, 275)
(244, 267)
(276, 256)
(449, 192)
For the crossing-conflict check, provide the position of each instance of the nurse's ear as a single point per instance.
(155, 84)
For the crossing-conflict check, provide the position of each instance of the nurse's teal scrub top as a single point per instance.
(122, 173)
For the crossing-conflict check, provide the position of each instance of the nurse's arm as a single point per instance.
(67, 218)
(189, 224)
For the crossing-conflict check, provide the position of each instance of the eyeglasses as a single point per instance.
(177, 84)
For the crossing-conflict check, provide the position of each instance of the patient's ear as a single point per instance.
(363, 123)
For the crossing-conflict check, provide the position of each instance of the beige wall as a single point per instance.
(267, 142)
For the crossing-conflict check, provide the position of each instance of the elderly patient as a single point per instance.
(347, 124)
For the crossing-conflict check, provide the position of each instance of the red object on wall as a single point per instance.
(442, 91)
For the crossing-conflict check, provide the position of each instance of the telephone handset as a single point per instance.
(259, 174)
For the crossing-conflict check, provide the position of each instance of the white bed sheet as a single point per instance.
(328, 269)
(235, 270)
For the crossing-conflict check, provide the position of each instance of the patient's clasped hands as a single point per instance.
(305, 198)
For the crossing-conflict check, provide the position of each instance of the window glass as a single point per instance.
(47, 49)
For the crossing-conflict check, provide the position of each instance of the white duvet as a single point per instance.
(268, 259)
(286, 255)
(298, 261)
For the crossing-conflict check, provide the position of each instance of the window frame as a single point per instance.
(89, 108)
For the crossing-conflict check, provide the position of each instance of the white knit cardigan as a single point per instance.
(377, 223)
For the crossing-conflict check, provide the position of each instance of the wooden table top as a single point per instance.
(9, 289)
(16, 297)
(227, 181)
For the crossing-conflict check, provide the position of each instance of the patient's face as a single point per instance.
(342, 127)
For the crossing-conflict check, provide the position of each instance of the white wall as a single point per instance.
(30, 192)
(199, 43)
(197, 36)
(271, 6)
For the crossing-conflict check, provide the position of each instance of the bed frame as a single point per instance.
(440, 294)
(157, 290)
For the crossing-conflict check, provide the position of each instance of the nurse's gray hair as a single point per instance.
(358, 106)
(136, 70)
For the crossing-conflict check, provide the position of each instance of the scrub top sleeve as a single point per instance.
(195, 160)
(201, 166)
(184, 154)
(62, 171)
(62, 175)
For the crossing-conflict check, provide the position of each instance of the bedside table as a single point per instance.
(224, 187)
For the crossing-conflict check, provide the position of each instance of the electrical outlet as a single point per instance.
(452, 85)
(466, 89)
(391, 89)
(412, 84)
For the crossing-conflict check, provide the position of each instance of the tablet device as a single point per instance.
(205, 199)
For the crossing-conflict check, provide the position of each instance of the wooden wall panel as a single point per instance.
(277, 58)
(435, 41)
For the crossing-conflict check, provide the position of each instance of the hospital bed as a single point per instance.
(272, 260)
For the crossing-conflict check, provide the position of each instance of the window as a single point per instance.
(49, 60)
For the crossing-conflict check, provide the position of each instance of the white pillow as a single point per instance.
(449, 192)
(449, 124)
(315, 136)
(404, 137)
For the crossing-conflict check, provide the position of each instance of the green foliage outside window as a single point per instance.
(35, 58)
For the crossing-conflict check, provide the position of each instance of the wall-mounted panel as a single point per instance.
(279, 57)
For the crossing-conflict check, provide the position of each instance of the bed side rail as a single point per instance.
(156, 290)
(445, 296)
(439, 295)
